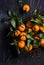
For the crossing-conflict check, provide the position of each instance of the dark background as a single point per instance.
(36, 57)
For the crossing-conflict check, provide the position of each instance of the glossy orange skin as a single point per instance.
(21, 44)
(35, 28)
(26, 8)
(23, 38)
(17, 32)
(21, 27)
(42, 42)
(42, 29)
(29, 24)
(23, 33)
(26, 48)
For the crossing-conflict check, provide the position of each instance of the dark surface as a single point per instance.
(36, 57)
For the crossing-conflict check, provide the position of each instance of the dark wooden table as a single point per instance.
(36, 57)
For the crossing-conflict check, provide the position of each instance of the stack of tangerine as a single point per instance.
(21, 32)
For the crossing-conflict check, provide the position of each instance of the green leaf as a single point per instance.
(37, 21)
(9, 13)
(41, 17)
(29, 37)
(41, 35)
(20, 20)
(14, 14)
(29, 30)
(10, 33)
(13, 22)
(36, 43)
(12, 43)
(35, 12)
(28, 43)
(20, 2)
(15, 41)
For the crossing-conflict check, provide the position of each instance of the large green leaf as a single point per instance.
(37, 21)
(13, 22)
(29, 37)
(28, 43)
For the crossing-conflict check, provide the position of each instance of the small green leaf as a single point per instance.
(10, 33)
(20, 2)
(36, 12)
(12, 43)
(43, 18)
(20, 20)
(37, 20)
(29, 30)
(15, 42)
(36, 43)
(28, 43)
(14, 14)
(13, 22)
(29, 37)
(41, 35)
(33, 20)
(9, 13)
